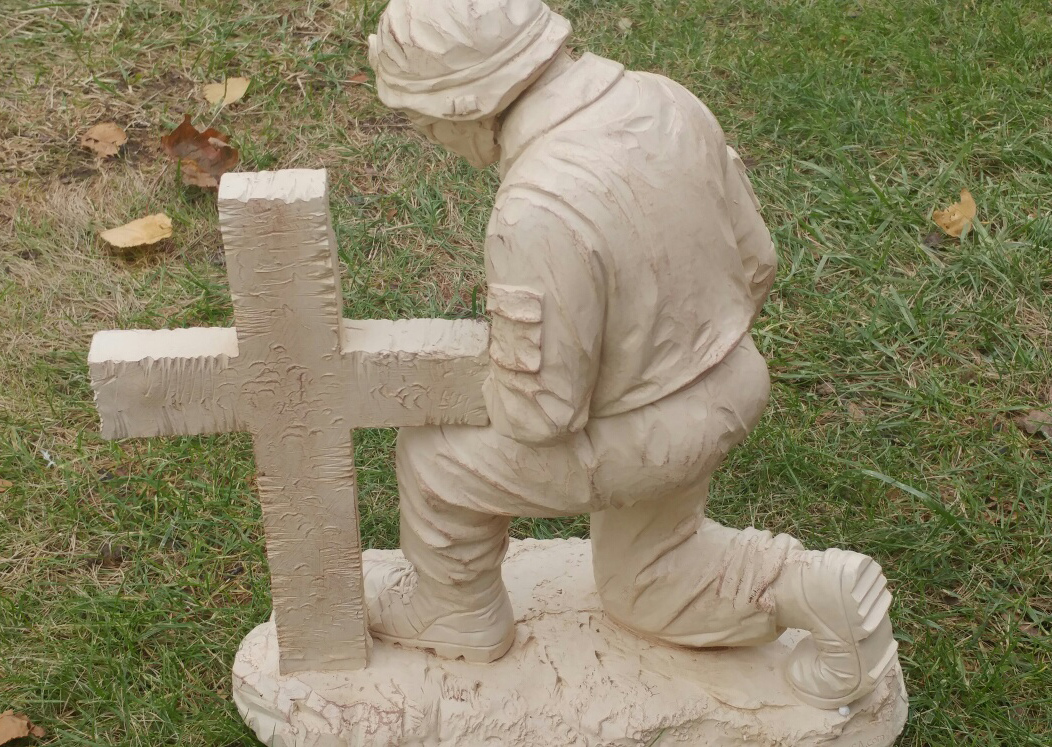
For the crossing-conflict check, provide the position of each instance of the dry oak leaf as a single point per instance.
(227, 92)
(105, 139)
(957, 218)
(148, 230)
(1035, 422)
(203, 156)
(17, 725)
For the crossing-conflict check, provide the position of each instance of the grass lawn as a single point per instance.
(129, 572)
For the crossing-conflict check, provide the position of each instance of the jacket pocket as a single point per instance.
(515, 333)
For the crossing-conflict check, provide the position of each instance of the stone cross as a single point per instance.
(299, 378)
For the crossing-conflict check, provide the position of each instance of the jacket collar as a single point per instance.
(547, 105)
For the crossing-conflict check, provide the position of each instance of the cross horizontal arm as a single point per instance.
(414, 372)
(169, 382)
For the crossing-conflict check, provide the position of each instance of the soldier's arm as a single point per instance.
(754, 240)
(547, 305)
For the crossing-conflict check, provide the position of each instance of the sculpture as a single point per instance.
(626, 261)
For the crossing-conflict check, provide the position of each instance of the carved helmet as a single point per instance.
(462, 59)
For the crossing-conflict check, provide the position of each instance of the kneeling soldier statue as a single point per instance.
(626, 261)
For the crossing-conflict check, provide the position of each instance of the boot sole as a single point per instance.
(870, 634)
(453, 651)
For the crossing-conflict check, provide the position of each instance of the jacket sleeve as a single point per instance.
(754, 240)
(547, 303)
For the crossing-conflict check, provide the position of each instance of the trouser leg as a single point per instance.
(661, 567)
(456, 550)
(459, 488)
(665, 570)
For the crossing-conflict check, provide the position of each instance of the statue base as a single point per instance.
(572, 678)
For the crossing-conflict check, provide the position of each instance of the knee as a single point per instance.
(414, 445)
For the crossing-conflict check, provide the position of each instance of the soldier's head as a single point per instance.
(453, 66)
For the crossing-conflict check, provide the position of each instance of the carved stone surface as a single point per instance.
(572, 678)
(626, 261)
(299, 378)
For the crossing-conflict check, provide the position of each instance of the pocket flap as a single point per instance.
(515, 302)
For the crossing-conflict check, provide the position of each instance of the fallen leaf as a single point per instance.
(359, 78)
(957, 218)
(105, 139)
(625, 24)
(148, 230)
(203, 156)
(1036, 422)
(227, 92)
(855, 412)
(5, 485)
(17, 725)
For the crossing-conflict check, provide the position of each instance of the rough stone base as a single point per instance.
(572, 678)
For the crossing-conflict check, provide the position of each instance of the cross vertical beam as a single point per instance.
(281, 259)
(298, 378)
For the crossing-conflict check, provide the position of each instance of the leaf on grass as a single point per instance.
(148, 230)
(227, 92)
(625, 24)
(105, 139)
(359, 79)
(6, 485)
(17, 725)
(1036, 422)
(957, 218)
(203, 156)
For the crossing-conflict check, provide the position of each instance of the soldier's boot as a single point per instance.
(841, 597)
(478, 626)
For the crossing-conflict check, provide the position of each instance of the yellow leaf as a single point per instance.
(957, 218)
(105, 139)
(227, 92)
(17, 725)
(148, 230)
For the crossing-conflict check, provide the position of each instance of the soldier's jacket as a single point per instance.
(625, 256)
